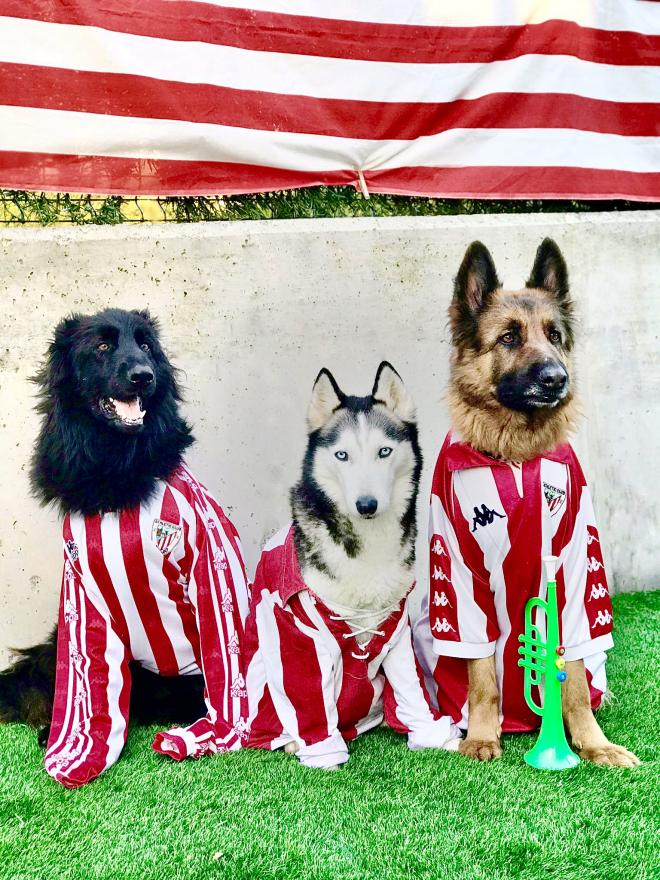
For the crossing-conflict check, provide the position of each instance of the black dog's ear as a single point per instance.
(56, 371)
(327, 396)
(549, 271)
(474, 286)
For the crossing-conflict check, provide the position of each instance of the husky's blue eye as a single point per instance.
(341, 455)
(384, 451)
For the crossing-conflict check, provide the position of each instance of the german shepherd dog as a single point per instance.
(512, 396)
(111, 433)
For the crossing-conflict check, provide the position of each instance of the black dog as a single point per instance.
(95, 453)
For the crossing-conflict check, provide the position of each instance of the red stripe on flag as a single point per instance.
(145, 601)
(112, 175)
(370, 41)
(118, 94)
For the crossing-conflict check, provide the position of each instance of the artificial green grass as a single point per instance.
(389, 814)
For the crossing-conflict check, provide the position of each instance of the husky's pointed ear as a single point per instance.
(474, 286)
(327, 396)
(549, 271)
(390, 390)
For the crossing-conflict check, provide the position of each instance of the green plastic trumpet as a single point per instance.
(543, 661)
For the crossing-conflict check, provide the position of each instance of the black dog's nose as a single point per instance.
(141, 376)
(553, 376)
(366, 505)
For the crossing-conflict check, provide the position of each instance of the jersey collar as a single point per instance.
(460, 456)
(292, 580)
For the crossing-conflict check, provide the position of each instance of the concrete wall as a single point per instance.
(251, 311)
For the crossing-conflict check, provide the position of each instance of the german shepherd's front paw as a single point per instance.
(481, 749)
(609, 755)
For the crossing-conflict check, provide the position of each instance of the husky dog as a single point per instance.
(328, 639)
(354, 506)
(508, 489)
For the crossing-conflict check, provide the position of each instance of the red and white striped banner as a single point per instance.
(482, 98)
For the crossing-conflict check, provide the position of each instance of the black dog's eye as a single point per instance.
(341, 455)
(103, 346)
(145, 347)
(554, 336)
(384, 451)
(507, 338)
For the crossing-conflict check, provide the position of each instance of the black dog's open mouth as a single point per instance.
(126, 412)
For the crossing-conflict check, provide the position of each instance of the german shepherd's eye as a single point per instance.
(507, 338)
(554, 336)
(384, 451)
(103, 346)
(341, 455)
(145, 347)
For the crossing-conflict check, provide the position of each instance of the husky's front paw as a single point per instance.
(609, 755)
(291, 748)
(481, 749)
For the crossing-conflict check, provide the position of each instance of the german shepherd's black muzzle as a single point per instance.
(540, 385)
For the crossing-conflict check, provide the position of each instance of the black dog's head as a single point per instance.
(110, 364)
(110, 400)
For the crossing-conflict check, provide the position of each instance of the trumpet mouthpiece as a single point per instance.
(550, 564)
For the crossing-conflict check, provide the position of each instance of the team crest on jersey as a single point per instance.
(166, 535)
(554, 497)
(72, 550)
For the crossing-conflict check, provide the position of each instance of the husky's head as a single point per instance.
(363, 456)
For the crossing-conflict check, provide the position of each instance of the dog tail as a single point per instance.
(28, 685)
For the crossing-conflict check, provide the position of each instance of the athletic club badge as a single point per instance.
(554, 497)
(165, 535)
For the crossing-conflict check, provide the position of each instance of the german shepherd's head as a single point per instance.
(511, 385)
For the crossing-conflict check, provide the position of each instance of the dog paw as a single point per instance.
(481, 749)
(291, 747)
(609, 755)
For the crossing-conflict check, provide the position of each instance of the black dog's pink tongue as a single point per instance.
(129, 409)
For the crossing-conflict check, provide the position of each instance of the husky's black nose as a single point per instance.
(553, 376)
(366, 505)
(141, 375)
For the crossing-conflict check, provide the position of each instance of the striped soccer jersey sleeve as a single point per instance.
(491, 522)
(164, 585)
(310, 682)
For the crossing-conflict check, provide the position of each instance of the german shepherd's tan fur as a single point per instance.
(511, 395)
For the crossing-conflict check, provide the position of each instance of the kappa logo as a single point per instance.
(220, 559)
(440, 599)
(438, 574)
(591, 538)
(437, 548)
(226, 603)
(233, 646)
(603, 618)
(443, 626)
(238, 687)
(484, 517)
(166, 535)
(593, 564)
(598, 591)
(554, 497)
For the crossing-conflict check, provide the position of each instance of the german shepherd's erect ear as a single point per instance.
(474, 286)
(549, 273)
(327, 396)
(390, 390)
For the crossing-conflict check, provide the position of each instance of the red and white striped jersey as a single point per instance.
(491, 523)
(162, 584)
(311, 682)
